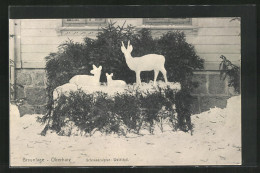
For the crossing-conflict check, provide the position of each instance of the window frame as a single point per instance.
(83, 22)
(167, 21)
(93, 29)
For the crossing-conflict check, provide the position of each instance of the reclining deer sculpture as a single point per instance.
(79, 81)
(145, 63)
(87, 80)
(116, 83)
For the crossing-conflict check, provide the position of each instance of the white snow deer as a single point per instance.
(64, 89)
(111, 82)
(145, 63)
(87, 80)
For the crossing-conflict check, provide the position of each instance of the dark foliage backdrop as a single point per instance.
(78, 58)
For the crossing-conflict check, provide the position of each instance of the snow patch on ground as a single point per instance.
(216, 140)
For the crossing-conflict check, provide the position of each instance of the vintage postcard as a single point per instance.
(125, 91)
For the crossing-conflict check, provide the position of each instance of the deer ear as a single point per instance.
(94, 67)
(123, 49)
(100, 67)
(111, 74)
(130, 48)
(106, 74)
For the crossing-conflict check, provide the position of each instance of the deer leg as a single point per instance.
(164, 72)
(138, 80)
(155, 76)
(139, 75)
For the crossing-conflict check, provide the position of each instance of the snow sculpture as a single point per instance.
(116, 83)
(145, 63)
(64, 89)
(79, 82)
(87, 80)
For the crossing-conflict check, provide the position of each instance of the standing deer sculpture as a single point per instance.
(148, 62)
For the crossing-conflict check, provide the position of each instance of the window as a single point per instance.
(84, 22)
(167, 21)
(158, 26)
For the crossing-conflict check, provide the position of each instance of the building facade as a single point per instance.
(31, 40)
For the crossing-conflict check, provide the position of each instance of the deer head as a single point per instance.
(127, 50)
(109, 75)
(96, 70)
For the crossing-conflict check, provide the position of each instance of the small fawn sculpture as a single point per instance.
(145, 63)
(111, 82)
(87, 80)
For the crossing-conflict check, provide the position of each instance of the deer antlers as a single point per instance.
(129, 46)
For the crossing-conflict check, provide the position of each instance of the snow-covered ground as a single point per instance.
(216, 140)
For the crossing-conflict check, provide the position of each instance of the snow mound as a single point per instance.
(220, 123)
(216, 140)
(112, 90)
(14, 112)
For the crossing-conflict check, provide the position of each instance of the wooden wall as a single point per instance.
(38, 37)
(217, 37)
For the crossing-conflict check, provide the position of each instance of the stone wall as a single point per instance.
(211, 91)
(33, 91)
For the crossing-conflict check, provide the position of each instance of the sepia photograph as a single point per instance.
(125, 91)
